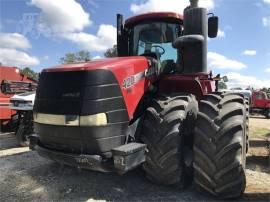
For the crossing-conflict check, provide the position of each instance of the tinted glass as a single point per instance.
(155, 38)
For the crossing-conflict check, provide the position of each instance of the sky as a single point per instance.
(36, 33)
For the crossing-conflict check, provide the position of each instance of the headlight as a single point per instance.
(71, 120)
(94, 120)
(51, 119)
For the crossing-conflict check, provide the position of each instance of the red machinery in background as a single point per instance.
(260, 103)
(12, 81)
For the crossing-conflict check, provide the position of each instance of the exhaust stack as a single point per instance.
(193, 43)
(194, 3)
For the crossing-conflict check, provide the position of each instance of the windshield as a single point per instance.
(155, 39)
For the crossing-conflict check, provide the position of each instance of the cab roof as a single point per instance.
(154, 16)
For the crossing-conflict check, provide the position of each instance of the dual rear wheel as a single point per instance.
(216, 144)
(163, 132)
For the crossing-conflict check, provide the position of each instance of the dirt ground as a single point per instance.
(259, 122)
(25, 176)
(259, 127)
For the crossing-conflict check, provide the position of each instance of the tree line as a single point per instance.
(85, 56)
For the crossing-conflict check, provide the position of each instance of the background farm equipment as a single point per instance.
(23, 104)
(260, 103)
(12, 82)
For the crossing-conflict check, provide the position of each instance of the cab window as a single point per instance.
(155, 39)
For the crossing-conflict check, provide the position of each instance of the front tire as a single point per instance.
(220, 145)
(21, 136)
(162, 130)
(268, 114)
(25, 128)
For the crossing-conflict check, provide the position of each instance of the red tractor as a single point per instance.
(154, 105)
(260, 103)
(12, 82)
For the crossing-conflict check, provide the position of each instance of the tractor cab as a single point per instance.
(177, 45)
(152, 35)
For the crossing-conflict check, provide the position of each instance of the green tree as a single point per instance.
(68, 58)
(30, 73)
(264, 89)
(111, 52)
(267, 90)
(222, 85)
(81, 56)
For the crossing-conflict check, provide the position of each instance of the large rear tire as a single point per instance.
(247, 123)
(220, 145)
(164, 125)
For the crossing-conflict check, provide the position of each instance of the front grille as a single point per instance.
(79, 93)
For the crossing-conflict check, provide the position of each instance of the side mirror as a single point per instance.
(212, 27)
(225, 79)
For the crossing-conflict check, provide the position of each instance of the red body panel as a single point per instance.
(154, 15)
(260, 100)
(198, 84)
(9, 73)
(122, 68)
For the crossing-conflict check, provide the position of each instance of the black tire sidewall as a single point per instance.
(191, 108)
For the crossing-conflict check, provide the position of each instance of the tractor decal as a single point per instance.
(132, 80)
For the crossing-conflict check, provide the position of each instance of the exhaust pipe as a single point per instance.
(194, 3)
(195, 23)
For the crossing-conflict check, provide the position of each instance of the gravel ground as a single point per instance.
(258, 121)
(24, 176)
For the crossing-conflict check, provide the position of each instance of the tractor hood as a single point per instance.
(106, 63)
(86, 107)
(128, 72)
